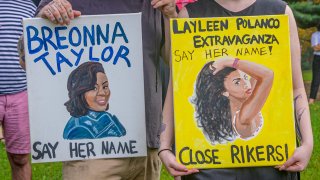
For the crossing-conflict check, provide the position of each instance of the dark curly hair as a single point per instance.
(81, 80)
(213, 111)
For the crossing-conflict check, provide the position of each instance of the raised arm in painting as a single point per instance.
(264, 79)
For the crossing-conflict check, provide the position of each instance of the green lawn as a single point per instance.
(52, 171)
(307, 75)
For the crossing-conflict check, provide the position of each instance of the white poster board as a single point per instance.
(52, 53)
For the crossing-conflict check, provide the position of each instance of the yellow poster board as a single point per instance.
(249, 121)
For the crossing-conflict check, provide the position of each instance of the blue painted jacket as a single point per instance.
(94, 125)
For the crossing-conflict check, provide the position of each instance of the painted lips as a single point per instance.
(249, 91)
(101, 102)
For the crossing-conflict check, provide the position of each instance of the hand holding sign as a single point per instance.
(172, 166)
(59, 11)
(167, 7)
(298, 161)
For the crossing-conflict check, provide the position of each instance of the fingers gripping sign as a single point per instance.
(173, 167)
(59, 11)
(167, 7)
(298, 161)
(62, 12)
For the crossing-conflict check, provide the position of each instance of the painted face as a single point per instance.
(98, 98)
(238, 85)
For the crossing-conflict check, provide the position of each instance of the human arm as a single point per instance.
(301, 156)
(316, 47)
(264, 79)
(58, 12)
(166, 137)
(168, 9)
(20, 47)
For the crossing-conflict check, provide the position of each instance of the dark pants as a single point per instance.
(315, 77)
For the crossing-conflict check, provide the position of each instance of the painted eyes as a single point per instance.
(104, 88)
(245, 77)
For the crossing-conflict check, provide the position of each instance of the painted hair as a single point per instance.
(81, 80)
(213, 111)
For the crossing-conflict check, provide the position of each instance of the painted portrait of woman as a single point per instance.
(89, 93)
(229, 95)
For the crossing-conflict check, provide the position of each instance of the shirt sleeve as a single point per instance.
(315, 39)
(41, 5)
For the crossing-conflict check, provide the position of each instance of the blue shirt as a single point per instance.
(12, 76)
(315, 40)
(94, 125)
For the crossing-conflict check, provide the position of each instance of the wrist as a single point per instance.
(235, 63)
(163, 150)
(171, 15)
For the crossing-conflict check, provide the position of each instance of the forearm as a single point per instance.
(166, 136)
(257, 71)
(316, 48)
(303, 117)
(21, 50)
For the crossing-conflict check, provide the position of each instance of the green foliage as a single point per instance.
(312, 171)
(306, 13)
(307, 76)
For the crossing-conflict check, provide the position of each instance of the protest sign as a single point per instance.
(233, 96)
(85, 88)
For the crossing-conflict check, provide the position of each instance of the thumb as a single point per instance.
(288, 163)
(179, 167)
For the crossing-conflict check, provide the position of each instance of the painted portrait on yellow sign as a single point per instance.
(231, 114)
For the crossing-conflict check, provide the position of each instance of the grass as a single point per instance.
(44, 171)
(312, 171)
(307, 75)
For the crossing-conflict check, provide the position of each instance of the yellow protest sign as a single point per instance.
(233, 98)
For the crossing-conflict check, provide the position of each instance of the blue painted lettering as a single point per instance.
(61, 59)
(91, 58)
(59, 37)
(122, 53)
(71, 40)
(103, 54)
(78, 55)
(43, 58)
(47, 38)
(102, 36)
(118, 27)
(87, 34)
(34, 38)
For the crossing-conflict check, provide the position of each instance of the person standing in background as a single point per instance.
(315, 43)
(14, 116)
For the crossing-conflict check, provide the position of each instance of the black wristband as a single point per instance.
(164, 150)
